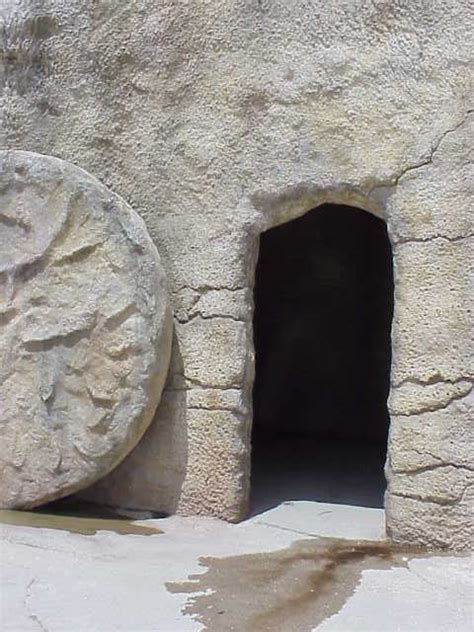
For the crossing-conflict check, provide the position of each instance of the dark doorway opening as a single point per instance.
(323, 312)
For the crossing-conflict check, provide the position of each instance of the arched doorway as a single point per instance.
(322, 321)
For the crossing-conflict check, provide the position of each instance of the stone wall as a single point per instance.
(217, 120)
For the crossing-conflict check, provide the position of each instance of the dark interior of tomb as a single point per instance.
(323, 312)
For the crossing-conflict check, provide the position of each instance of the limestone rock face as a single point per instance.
(85, 329)
(218, 120)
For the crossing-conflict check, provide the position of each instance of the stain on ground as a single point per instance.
(290, 590)
(80, 518)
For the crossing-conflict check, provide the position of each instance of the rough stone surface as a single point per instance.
(220, 119)
(85, 329)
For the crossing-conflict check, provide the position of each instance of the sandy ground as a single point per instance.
(300, 566)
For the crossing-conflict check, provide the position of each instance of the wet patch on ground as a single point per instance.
(289, 590)
(82, 518)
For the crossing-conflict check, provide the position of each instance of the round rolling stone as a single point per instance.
(85, 329)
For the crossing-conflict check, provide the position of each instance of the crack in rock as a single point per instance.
(435, 407)
(431, 468)
(444, 502)
(184, 321)
(394, 180)
(424, 240)
(31, 615)
(435, 379)
(194, 382)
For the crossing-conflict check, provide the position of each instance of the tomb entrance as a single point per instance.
(322, 323)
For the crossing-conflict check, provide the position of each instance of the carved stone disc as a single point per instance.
(85, 329)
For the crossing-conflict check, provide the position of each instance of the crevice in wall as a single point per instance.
(444, 502)
(202, 289)
(214, 409)
(184, 321)
(202, 387)
(422, 240)
(434, 379)
(395, 180)
(430, 468)
(193, 382)
(436, 407)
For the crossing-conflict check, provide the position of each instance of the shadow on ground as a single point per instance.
(289, 468)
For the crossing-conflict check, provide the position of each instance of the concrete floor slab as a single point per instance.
(61, 581)
(326, 520)
(426, 596)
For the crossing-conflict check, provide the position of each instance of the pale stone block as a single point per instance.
(214, 351)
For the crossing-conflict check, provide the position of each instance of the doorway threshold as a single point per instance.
(325, 520)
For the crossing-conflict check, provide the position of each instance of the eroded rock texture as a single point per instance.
(84, 329)
(218, 120)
